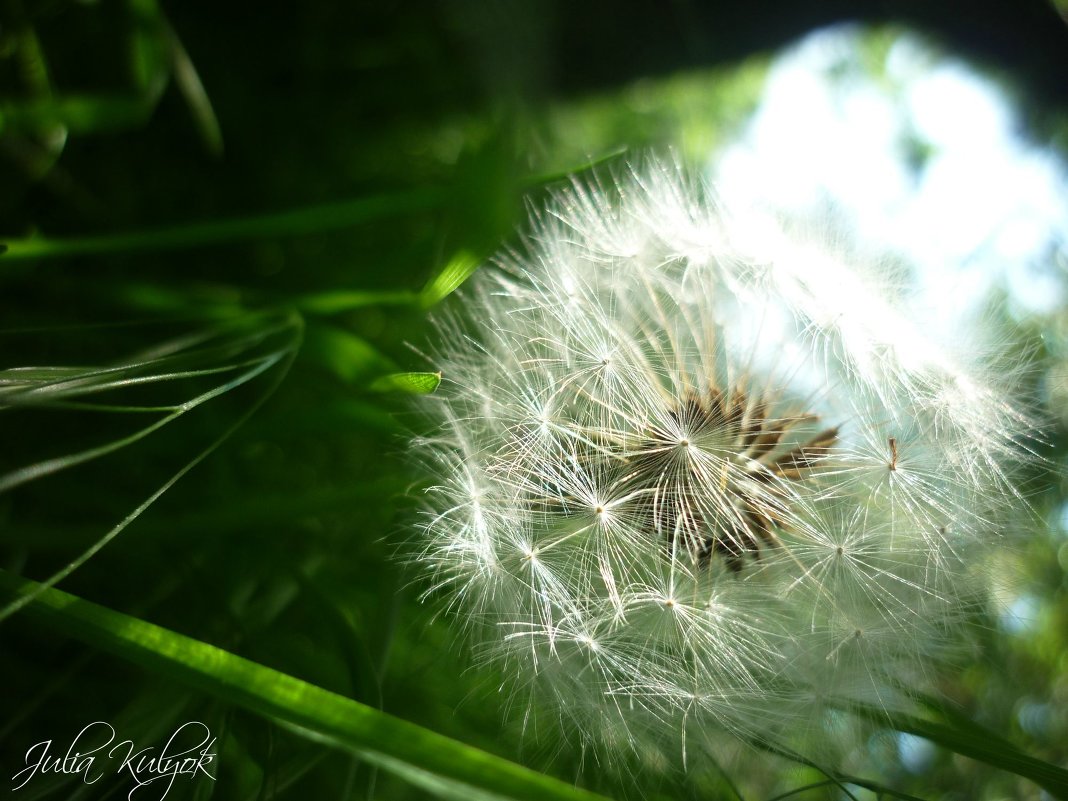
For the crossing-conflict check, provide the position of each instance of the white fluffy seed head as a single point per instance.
(697, 470)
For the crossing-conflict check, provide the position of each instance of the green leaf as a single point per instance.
(575, 169)
(149, 59)
(242, 340)
(967, 738)
(460, 267)
(343, 300)
(294, 222)
(350, 358)
(412, 383)
(439, 765)
(189, 84)
(86, 113)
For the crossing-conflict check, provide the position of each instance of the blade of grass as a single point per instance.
(88, 383)
(412, 383)
(337, 301)
(241, 512)
(459, 268)
(436, 763)
(352, 359)
(967, 738)
(196, 97)
(874, 787)
(149, 61)
(76, 113)
(283, 358)
(184, 357)
(294, 222)
(21, 475)
(88, 112)
(577, 169)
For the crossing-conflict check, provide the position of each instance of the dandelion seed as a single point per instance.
(699, 471)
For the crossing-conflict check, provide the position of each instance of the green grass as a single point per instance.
(444, 767)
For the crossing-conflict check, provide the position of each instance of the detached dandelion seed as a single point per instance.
(699, 472)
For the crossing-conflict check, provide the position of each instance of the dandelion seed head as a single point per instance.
(696, 469)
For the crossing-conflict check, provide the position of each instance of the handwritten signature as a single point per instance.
(93, 753)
